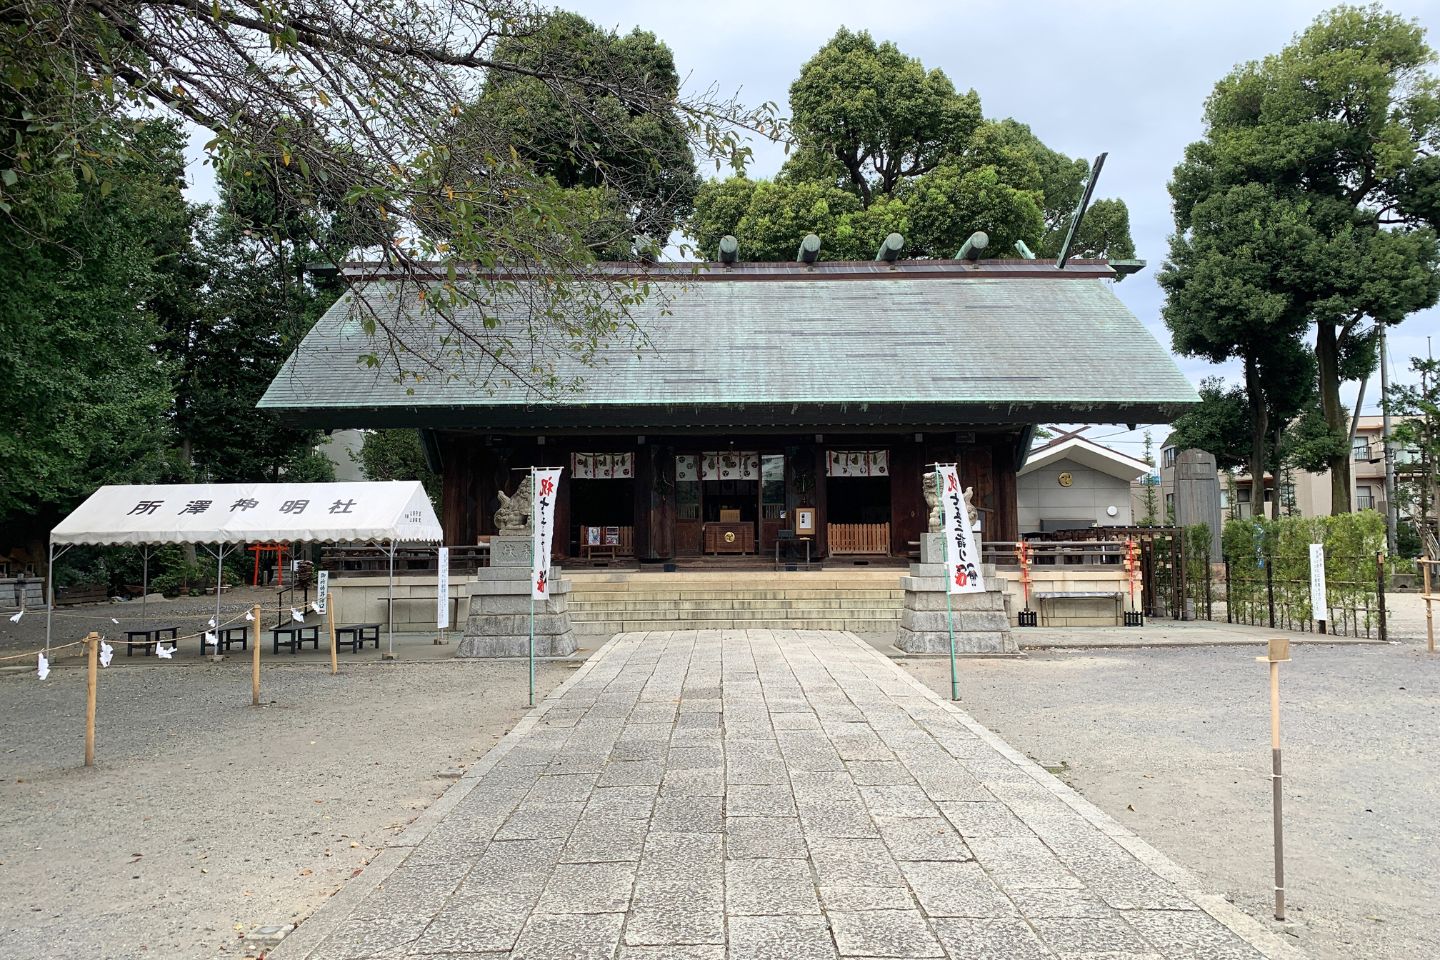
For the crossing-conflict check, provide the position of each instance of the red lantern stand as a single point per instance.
(1026, 617)
(1134, 617)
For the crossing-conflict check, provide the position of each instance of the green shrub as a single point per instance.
(1351, 542)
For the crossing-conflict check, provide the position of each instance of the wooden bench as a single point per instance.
(226, 637)
(356, 635)
(1052, 595)
(81, 593)
(296, 636)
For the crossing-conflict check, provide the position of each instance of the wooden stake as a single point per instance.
(1429, 614)
(255, 657)
(330, 616)
(1278, 653)
(92, 646)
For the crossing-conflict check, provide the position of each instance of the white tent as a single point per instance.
(231, 514)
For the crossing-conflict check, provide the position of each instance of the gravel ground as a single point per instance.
(1174, 743)
(205, 816)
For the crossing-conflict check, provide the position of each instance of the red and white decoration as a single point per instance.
(857, 463)
(962, 550)
(602, 466)
(545, 484)
(730, 465)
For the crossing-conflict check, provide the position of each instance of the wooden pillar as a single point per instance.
(560, 457)
(1007, 502)
(642, 509)
(908, 513)
(660, 498)
(822, 517)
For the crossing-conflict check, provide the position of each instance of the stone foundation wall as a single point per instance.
(28, 592)
(982, 625)
(499, 622)
(1108, 578)
(362, 600)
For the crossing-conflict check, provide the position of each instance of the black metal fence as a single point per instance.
(1265, 591)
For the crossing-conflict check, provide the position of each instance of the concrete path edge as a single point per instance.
(311, 931)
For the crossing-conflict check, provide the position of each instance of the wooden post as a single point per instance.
(1278, 653)
(255, 657)
(1429, 614)
(92, 677)
(330, 617)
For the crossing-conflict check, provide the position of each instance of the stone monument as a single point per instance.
(982, 624)
(499, 624)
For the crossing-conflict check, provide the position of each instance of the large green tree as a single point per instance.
(639, 161)
(883, 145)
(1310, 204)
(1218, 425)
(1416, 407)
(366, 97)
(252, 302)
(83, 275)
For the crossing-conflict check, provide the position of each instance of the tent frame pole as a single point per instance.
(50, 591)
(219, 580)
(144, 579)
(49, 597)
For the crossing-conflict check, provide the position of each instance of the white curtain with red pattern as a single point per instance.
(857, 463)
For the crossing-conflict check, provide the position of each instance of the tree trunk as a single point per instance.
(1327, 359)
(1259, 427)
(187, 451)
(1279, 473)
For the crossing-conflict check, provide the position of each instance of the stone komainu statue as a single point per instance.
(513, 517)
(932, 500)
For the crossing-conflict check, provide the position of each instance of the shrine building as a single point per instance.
(764, 389)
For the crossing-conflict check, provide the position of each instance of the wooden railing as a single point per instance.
(625, 548)
(872, 538)
(342, 560)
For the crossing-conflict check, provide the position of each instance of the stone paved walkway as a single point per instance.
(767, 794)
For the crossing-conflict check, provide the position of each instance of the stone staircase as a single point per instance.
(603, 602)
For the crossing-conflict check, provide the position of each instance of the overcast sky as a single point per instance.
(1127, 78)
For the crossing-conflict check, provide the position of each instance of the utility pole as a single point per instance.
(1390, 505)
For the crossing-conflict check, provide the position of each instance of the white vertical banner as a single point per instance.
(442, 588)
(1319, 608)
(545, 484)
(962, 552)
(322, 592)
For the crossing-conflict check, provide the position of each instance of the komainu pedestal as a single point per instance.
(982, 624)
(499, 624)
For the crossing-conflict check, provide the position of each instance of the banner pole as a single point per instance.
(534, 532)
(390, 610)
(945, 577)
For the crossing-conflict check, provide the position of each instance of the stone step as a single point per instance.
(736, 603)
(589, 628)
(770, 581)
(595, 616)
(796, 595)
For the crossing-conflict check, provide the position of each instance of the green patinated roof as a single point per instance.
(783, 347)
